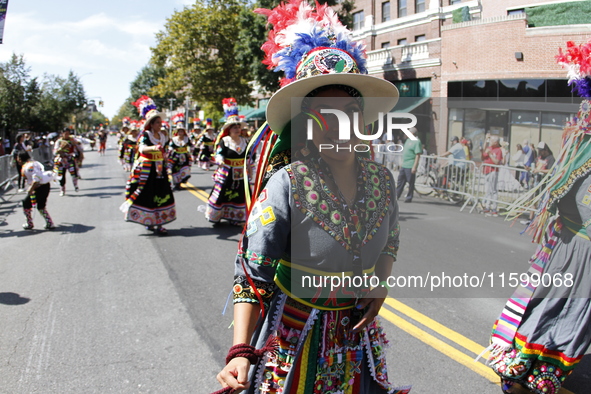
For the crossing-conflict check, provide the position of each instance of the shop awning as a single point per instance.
(408, 104)
(256, 114)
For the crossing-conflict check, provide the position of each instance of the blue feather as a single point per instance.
(582, 87)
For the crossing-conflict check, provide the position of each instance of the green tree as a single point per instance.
(19, 93)
(61, 102)
(198, 49)
(143, 84)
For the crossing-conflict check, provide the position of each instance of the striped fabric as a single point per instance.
(504, 331)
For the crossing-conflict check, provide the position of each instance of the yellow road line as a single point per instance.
(440, 346)
(200, 194)
(439, 328)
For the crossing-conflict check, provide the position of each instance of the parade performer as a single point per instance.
(179, 153)
(102, 137)
(326, 214)
(205, 144)
(227, 198)
(545, 328)
(65, 149)
(38, 182)
(125, 123)
(195, 134)
(129, 146)
(148, 198)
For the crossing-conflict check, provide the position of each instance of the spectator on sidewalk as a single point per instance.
(492, 155)
(19, 146)
(410, 162)
(544, 163)
(518, 161)
(457, 152)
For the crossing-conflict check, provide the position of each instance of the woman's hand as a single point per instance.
(235, 374)
(373, 302)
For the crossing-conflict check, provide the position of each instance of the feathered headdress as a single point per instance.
(230, 107)
(178, 120)
(126, 121)
(298, 30)
(144, 105)
(574, 159)
(577, 60)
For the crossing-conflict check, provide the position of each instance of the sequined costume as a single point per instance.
(317, 352)
(149, 198)
(227, 198)
(179, 160)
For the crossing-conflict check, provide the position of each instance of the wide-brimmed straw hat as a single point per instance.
(314, 49)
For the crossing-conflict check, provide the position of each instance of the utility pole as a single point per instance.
(172, 100)
(187, 103)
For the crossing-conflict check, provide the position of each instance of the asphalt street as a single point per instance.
(100, 305)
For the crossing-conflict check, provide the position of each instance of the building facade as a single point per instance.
(475, 67)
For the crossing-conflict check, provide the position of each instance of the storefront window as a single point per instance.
(480, 88)
(551, 131)
(530, 88)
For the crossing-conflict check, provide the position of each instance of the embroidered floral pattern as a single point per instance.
(322, 206)
(243, 292)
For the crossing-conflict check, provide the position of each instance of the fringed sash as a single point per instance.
(510, 319)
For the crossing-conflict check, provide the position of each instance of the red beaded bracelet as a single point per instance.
(250, 353)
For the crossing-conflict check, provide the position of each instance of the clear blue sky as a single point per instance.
(105, 42)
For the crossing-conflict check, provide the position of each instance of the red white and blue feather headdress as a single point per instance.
(577, 60)
(298, 31)
(178, 120)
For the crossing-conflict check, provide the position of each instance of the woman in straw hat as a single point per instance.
(148, 197)
(545, 328)
(227, 198)
(329, 213)
(179, 152)
(205, 143)
(129, 146)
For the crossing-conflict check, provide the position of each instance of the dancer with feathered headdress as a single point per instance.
(148, 197)
(179, 152)
(227, 199)
(545, 328)
(327, 214)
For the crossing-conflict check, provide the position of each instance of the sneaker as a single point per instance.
(76, 188)
(492, 213)
(525, 222)
(49, 226)
(21, 190)
(27, 226)
(62, 193)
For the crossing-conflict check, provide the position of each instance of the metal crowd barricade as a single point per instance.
(448, 178)
(43, 154)
(501, 185)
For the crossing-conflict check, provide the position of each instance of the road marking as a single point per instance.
(423, 336)
(439, 345)
(439, 328)
(200, 194)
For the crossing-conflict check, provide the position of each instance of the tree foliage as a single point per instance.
(198, 49)
(61, 101)
(19, 93)
(143, 84)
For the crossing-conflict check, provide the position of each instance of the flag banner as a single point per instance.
(3, 7)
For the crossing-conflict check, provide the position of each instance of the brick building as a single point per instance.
(471, 67)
